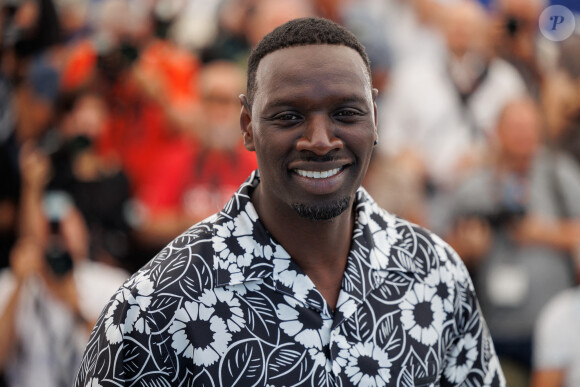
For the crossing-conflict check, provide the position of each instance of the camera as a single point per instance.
(61, 154)
(513, 25)
(57, 255)
(505, 216)
(115, 60)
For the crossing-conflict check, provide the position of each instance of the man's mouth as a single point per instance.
(318, 174)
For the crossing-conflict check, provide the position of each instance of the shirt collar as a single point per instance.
(245, 251)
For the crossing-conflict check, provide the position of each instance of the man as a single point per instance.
(301, 279)
(439, 115)
(556, 341)
(516, 224)
(198, 179)
(51, 294)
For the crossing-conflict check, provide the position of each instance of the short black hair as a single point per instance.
(301, 32)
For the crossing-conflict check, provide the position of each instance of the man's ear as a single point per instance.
(246, 124)
(375, 112)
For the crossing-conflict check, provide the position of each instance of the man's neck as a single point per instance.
(320, 248)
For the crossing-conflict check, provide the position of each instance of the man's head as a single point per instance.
(220, 83)
(519, 132)
(464, 26)
(311, 119)
(301, 32)
(266, 15)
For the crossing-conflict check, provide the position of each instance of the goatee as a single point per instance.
(322, 211)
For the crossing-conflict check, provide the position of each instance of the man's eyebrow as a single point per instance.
(277, 102)
(348, 99)
(355, 98)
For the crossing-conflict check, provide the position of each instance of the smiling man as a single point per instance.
(301, 279)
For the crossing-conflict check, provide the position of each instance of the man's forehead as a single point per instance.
(312, 58)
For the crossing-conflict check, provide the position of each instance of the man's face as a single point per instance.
(312, 125)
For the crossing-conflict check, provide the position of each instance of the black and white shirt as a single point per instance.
(225, 305)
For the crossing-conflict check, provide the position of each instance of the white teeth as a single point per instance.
(318, 174)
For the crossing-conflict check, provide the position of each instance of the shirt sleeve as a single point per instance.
(126, 344)
(470, 359)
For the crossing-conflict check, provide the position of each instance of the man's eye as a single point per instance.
(287, 117)
(348, 113)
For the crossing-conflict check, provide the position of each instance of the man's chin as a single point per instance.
(322, 211)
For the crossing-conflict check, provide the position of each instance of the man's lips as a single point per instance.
(320, 168)
(320, 178)
(323, 174)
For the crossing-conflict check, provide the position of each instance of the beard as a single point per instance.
(322, 211)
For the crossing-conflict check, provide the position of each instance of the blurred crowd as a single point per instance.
(119, 129)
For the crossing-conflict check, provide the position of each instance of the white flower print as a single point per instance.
(198, 334)
(132, 315)
(227, 246)
(422, 314)
(305, 325)
(340, 348)
(444, 258)
(494, 376)
(461, 359)
(244, 228)
(281, 269)
(243, 288)
(368, 365)
(384, 234)
(233, 275)
(439, 245)
(345, 305)
(301, 285)
(129, 301)
(225, 306)
(113, 329)
(144, 289)
(94, 382)
(136, 320)
(320, 359)
(442, 280)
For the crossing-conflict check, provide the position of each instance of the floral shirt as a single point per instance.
(225, 305)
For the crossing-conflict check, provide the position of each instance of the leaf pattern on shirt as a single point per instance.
(225, 305)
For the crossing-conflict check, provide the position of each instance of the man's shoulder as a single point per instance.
(410, 246)
(429, 251)
(181, 270)
(191, 251)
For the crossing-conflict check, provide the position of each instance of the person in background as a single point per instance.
(516, 222)
(97, 184)
(29, 42)
(556, 360)
(561, 100)
(266, 15)
(439, 115)
(188, 186)
(51, 294)
(29, 117)
(517, 39)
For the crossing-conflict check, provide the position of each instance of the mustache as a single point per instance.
(312, 157)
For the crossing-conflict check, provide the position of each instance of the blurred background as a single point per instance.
(119, 130)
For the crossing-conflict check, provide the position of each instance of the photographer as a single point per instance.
(516, 223)
(51, 294)
(518, 40)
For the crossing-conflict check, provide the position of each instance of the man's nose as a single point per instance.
(319, 136)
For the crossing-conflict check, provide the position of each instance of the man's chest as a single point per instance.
(254, 334)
